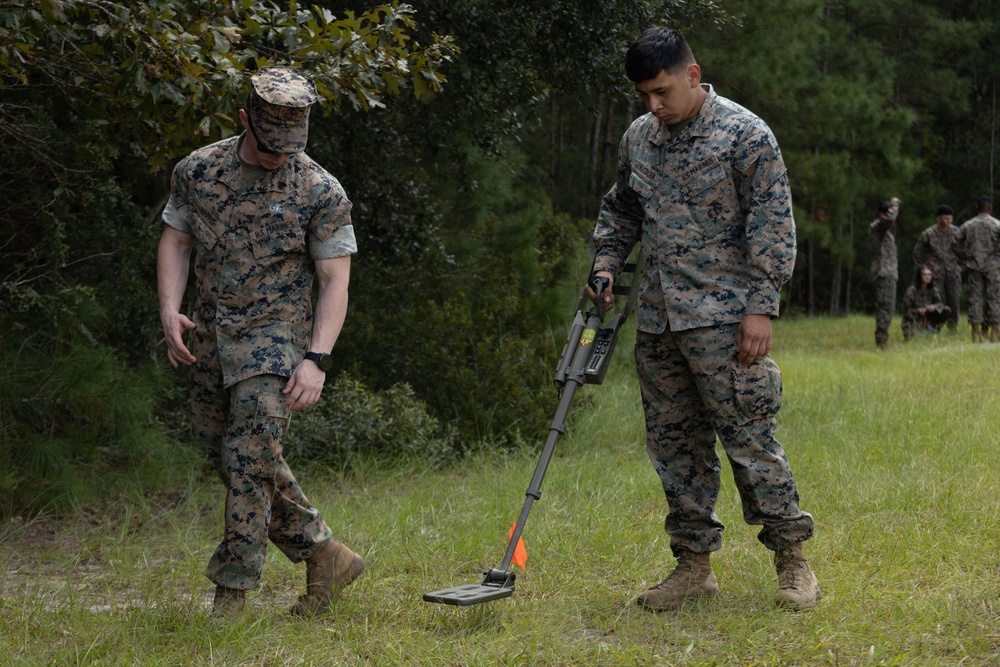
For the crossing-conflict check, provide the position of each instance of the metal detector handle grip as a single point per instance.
(599, 284)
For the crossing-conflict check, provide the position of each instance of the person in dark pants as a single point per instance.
(936, 249)
(923, 309)
(885, 267)
(977, 246)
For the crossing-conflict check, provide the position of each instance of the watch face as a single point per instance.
(325, 362)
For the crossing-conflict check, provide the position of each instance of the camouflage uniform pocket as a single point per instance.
(640, 186)
(276, 234)
(206, 229)
(264, 448)
(710, 199)
(756, 390)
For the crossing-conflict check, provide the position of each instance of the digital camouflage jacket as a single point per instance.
(978, 242)
(714, 208)
(255, 251)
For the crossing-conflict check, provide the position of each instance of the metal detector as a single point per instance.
(585, 360)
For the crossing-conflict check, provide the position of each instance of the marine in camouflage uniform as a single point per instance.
(977, 246)
(885, 267)
(923, 309)
(264, 221)
(935, 248)
(701, 180)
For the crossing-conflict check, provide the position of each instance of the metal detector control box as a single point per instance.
(600, 358)
(585, 360)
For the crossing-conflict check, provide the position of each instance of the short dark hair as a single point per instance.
(885, 207)
(944, 209)
(657, 49)
(985, 204)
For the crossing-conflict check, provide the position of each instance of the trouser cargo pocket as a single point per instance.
(756, 390)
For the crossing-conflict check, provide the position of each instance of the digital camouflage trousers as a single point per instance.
(242, 428)
(885, 307)
(949, 284)
(694, 389)
(984, 296)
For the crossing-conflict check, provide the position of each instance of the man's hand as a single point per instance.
(753, 338)
(607, 296)
(174, 326)
(304, 387)
(172, 257)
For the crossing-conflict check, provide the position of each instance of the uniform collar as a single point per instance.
(700, 125)
(231, 172)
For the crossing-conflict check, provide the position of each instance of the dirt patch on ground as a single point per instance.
(102, 558)
(109, 558)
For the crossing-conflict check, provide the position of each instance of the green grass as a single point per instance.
(895, 453)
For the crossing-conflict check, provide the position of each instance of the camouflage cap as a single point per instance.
(280, 98)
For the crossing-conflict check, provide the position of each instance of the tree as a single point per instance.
(833, 79)
(170, 74)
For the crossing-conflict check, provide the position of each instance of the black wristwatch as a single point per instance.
(321, 359)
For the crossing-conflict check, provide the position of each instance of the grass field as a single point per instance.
(895, 454)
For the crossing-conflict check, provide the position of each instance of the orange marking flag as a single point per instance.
(520, 557)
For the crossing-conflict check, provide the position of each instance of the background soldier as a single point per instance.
(923, 309)
(263, 219)
(935, 248)
(885, 267)
(703, 180)
(977, 246)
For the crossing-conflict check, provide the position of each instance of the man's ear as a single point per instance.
(694, 75)
(243, 119)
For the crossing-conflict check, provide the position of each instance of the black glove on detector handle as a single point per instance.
(599, 284)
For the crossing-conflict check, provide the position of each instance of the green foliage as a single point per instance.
(836, 82)
(460, 309)
(353, 421)
(475, 366)
(168, 75)
(69, 417)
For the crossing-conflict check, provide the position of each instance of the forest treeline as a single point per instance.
(475, 139)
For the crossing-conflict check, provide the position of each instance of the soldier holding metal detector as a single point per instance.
(702, 181)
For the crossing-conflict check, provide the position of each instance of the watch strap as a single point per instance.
(321, 359)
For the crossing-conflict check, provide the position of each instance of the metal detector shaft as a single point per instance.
(578, 350)
(585, 360)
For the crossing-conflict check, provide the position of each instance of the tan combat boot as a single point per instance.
(228, 602)
(329, 570)
(797, 585)
(977, 337)
(692, 578)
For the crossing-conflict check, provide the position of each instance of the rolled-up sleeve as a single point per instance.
(175, 215)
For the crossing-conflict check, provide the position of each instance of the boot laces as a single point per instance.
(680, 575)
(790, 570)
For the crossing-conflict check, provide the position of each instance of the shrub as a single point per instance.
(351, 420)
(72, 423)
